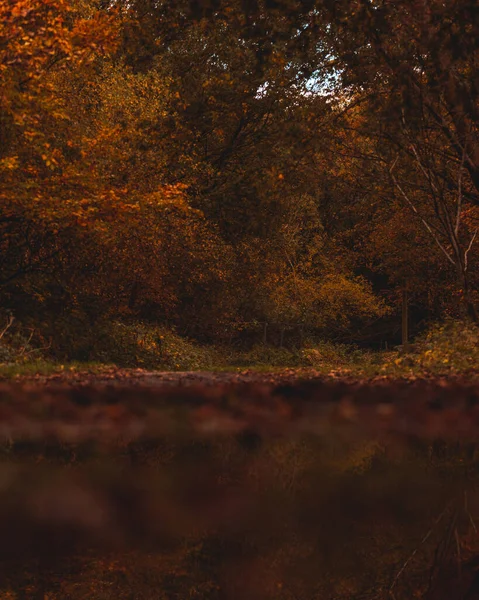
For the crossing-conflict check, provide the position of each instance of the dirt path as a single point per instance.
(161, 379)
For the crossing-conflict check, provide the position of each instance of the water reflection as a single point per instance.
(240, 517)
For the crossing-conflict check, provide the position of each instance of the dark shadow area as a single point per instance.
(295, 493)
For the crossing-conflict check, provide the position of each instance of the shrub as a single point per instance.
(17, 342)
(325, 354)
(73, 338)
(264, 356)
(149, 346)
(448, 347)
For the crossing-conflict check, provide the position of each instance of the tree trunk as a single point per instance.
(301, 336)
(405, 320)
(469, 305)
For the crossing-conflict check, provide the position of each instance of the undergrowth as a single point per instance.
(449, 348)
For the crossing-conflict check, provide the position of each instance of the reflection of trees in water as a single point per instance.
(285, 519)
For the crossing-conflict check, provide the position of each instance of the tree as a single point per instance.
(40, 184)
(411, 66)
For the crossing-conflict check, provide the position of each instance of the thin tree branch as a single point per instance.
(415, 551)
(468, 249)
(11, 319)
(459, 195)
(423, 220)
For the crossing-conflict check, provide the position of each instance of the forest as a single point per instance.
(239, 174)
(239, 299)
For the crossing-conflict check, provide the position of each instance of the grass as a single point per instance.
(449, 348)
(47, 367)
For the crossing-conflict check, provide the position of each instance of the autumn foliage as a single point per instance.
(224, 168)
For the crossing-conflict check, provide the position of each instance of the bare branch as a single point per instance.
(423, 220)
(468, 249)
(458, 552)
(22, 351)
(459, 195)
(466, 508)
(414, 552)
(426, 172)
(39, 349)
(10, 321)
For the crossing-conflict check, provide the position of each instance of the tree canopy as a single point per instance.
(216, 165)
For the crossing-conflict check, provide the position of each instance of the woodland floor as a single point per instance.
(289, 401)
(105, 375)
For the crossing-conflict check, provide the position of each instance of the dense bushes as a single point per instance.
(324, 355)
(136, 344)
(150, 347)
(448, 347)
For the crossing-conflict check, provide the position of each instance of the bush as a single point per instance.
(268, 356)
(73, 338)
(325, 354)
(17, 342)
(450, 346)
(446, 348)
(151, 347)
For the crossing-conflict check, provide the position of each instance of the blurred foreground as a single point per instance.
(266, 489)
